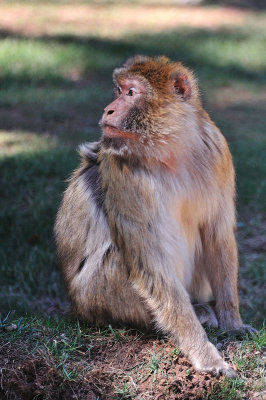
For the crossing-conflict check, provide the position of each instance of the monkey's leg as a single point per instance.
(107, 297)
(221, 264)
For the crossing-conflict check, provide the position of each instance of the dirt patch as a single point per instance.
(147, 367)
(29, 376)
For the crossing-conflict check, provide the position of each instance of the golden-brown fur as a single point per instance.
(146, 225)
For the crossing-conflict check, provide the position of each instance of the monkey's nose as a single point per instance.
(109, 112)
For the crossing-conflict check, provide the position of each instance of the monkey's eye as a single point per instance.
(118, 90)
(131, 92)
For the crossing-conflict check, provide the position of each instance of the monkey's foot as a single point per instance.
(248, 329)
(240, 330)
(211, 361)
(206, 315)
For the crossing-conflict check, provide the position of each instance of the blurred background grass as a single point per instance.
(56, 61)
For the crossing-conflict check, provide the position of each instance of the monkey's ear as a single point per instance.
(181, 85)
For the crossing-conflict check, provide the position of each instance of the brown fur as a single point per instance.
(146, 226)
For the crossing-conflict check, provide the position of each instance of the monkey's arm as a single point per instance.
(174, 314)
(79, 213)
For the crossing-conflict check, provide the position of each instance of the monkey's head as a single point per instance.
(153, 98)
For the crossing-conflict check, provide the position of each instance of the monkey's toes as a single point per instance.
(240, 331)
(228, 372)
(248, 329)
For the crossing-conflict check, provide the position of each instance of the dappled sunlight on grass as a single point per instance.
(17, 143)
(67, 57)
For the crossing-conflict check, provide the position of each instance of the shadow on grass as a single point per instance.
(242, 4)
(33, 186)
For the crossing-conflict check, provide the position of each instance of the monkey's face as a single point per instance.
(150, 97)
(126, 122)
(123, 118)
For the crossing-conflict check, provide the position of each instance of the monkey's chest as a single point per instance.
(145, 225)
(139, 208)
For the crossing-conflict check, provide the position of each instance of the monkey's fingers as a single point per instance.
(222, 368)
(210, 361)
(206, 315)
(90, 151)
(228, 372)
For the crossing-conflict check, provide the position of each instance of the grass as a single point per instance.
(53, 88)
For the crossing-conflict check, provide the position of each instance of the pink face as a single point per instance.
(130, 92)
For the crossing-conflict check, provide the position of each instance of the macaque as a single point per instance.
(146, 226)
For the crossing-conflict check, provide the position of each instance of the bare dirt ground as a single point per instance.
(111, 365)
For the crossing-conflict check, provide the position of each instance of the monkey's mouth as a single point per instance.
(113, 132)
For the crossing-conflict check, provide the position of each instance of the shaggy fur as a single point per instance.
(146, 225)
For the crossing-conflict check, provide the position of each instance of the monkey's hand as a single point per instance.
(211, 361)
(90, 151)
